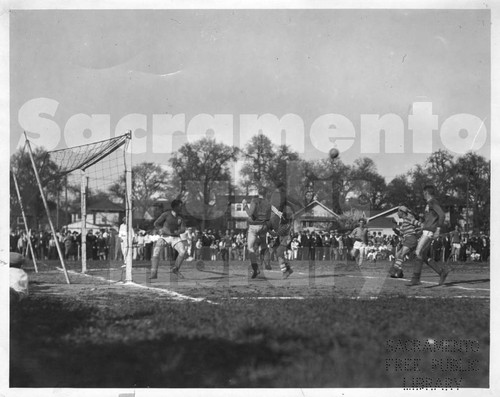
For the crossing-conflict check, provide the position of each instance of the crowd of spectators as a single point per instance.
(333, 245)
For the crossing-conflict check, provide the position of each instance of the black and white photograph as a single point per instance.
(227, 197)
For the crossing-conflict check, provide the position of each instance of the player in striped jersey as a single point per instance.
(408, 232)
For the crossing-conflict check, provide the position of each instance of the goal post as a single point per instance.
(37, 176)
(93, 167)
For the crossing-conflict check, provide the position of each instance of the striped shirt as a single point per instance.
(409, 227)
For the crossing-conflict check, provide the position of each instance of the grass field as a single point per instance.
(326, 326)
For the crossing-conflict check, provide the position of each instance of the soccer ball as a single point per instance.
(333, 153)
(200, 266)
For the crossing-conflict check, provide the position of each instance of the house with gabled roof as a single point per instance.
(383, 221)
(315, 216)
(102, 213)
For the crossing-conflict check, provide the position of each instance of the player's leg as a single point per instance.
(285, 267)
(423, 243)
(441, 269)
(180, 247)
(252, 236)
(396, 270)
(155, 258)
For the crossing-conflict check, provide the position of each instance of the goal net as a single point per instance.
(96, 203)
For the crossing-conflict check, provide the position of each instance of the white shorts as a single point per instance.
(172, 240)
(358, 245)
(456, 245)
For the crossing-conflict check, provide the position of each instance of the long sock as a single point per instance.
(154, 266)
(417, 266)
(434, 266)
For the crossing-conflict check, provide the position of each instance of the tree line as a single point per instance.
(203, 175)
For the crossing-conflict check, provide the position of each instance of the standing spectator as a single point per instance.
(68, 245)
(295, 247)
(213, 250)
(91, 242)
(455, 243)
(484, 247)
(226, 243)
(312, 246)
(52, 247)
(141, 239)
(22, 244)
(199, 247)
(101, 246)
(341, 246)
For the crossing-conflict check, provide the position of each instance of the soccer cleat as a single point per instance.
(189, 259)
(177, 272)
(415, 280)
(268, 267)
(287, 273)
(153, 276)
(255, 273)
(443, 275)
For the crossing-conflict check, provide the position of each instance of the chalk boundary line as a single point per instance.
(162, 291)
(181, 297)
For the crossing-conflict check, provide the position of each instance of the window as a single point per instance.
(238, 207)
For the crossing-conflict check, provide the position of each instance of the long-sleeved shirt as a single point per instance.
(259, 211)
(170, 224)
(434, 216)
(409, 227)
(360, 234)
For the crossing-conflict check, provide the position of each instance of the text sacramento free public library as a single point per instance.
(459, 133)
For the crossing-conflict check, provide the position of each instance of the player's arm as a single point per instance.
(158, 224)
(441, 216)
(182, 227)
(250, 209)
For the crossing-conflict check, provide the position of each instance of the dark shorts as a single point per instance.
(410, 241)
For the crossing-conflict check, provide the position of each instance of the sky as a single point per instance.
(154, 71)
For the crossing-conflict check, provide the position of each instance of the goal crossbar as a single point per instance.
(84, 156)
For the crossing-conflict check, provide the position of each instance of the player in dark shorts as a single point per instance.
(280, 224)
(431, 228)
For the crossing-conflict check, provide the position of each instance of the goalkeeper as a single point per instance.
(170, 225)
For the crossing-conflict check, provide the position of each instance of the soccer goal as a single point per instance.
(97, 196)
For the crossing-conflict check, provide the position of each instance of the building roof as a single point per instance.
(105, 204)
(381, 223)
(313, 204)
(382, 214)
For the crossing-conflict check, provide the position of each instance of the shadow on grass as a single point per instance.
(45, 351)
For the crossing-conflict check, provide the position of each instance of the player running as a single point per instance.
(408, 233)
(431, 227)
(171, 226)
(360, 236)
